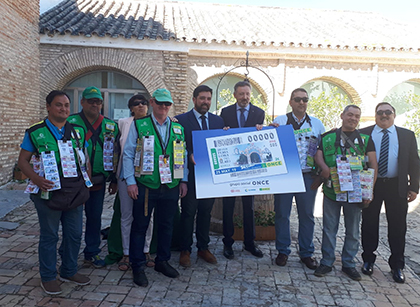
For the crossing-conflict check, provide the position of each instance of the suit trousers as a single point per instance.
(248, 218)
(190, 207)
(386, 190)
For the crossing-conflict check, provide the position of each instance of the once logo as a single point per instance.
(261, 182)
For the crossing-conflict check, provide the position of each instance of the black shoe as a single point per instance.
(352, 273)
(310, 262)
(140, 279)
(281, 259)
(255, 251)
(367, 268)
(166, 269)
(228, 252)
(398, 276)
(322, 270)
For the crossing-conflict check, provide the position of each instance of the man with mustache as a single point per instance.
(340, 145)
(199, 118)
(397, 185)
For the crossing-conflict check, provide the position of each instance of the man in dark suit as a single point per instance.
(241, 114)
(397, 185)
(199, 118)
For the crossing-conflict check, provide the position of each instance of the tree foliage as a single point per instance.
(328, 107)
(413, 116)
(228, 97)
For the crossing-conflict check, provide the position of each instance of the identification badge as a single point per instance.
(108, 153)
(177, 130)
(355, 162)
(179, 153)
(51, 170)
(137, 159)
(110, 127)
(68, 163)
(164, 169)
(148, 155)
(344, 173)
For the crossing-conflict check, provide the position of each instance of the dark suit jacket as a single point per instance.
(408, 160)
(190, 124)
(255, 116)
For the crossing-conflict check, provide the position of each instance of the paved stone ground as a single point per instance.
(244, 281)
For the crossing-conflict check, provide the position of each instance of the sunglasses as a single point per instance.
(98, 102)
(299, 99)
(137, 102)
(386, 112)
(161, 103)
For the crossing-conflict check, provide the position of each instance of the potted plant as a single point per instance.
(17, 174)
(264, 226)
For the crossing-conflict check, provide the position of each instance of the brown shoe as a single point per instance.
(310, 262)
(51, 287)
(207, 256)
(77, 278)
(281, 259)
(184, 259)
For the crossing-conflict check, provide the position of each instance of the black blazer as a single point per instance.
(408, 160)
(255, 117)
(190, 124)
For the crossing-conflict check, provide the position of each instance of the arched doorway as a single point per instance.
(116, 88)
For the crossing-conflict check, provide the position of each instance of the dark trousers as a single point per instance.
(165, 203)
(190, 205)
(396, 213)
(248, 218)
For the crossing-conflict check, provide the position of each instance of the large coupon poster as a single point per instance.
(245, 161)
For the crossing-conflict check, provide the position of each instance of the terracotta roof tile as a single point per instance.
(228, 24)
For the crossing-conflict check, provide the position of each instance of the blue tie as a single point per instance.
(383, 156)
(242, 118)
(203, 123)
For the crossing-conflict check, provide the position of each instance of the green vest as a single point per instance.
(95, 149)
(43, 139)
(145, 126)
(330, 151)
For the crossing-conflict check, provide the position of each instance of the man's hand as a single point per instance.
(42, 183)
(259, 127)
(316, 183)
(183, 189)
(113, 188)
(274, 125)
(192, 159)
(226, 128)
(325, 173)
(411, 196)
(173, 119)
(133, 191)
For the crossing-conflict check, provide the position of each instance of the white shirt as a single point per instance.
(317, 128)
(377, 135)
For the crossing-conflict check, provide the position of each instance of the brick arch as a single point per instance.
(68, 67)
(346, 87)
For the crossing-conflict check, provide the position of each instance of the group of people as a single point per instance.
(149, 158)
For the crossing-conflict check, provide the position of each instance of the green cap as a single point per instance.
(162, 95)
(92, 92)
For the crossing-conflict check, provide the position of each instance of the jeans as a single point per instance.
(331, 220)
(93, 210)
(305, 203)
(72, 225)
(190, 207)
(164, 201)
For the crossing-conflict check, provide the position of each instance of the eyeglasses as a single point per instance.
(387, 112)
(137, 102)
(299, 99)
(161, 103)
(98, 102)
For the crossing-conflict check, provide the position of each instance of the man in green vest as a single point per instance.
(155, 168)
(101, 136)
(348, 148)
